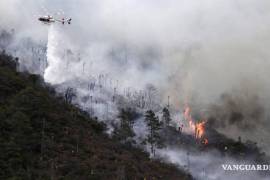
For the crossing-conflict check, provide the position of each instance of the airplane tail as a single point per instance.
(63, 21)
(69, 21)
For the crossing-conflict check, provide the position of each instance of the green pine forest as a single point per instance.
(43, 136)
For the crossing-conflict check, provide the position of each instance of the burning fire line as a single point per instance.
(197, 128)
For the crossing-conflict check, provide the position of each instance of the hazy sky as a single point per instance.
(192, 50)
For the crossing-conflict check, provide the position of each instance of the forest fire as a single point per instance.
(197, 127)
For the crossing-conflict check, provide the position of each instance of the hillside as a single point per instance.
(44, 137)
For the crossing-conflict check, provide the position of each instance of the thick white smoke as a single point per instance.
(193, 51)
(207, 165)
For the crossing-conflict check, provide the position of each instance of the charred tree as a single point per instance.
(70, 93)
(166, 117)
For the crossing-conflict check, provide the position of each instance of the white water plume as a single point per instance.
(194, 51)
(56, 72)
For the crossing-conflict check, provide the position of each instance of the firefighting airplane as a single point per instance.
(49, 20)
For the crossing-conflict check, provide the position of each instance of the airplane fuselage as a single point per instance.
(46, 19)
(50, 19)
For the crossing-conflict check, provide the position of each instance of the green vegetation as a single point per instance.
(43, 136)
(124, 132)
(154, 126)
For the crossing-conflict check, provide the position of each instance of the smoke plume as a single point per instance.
(212, 55)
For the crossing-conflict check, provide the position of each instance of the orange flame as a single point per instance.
(198, 128)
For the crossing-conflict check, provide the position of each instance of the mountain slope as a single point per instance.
(43, 137)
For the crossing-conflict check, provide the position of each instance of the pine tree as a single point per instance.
(154, 126)
(166, 116)
(125, 131)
